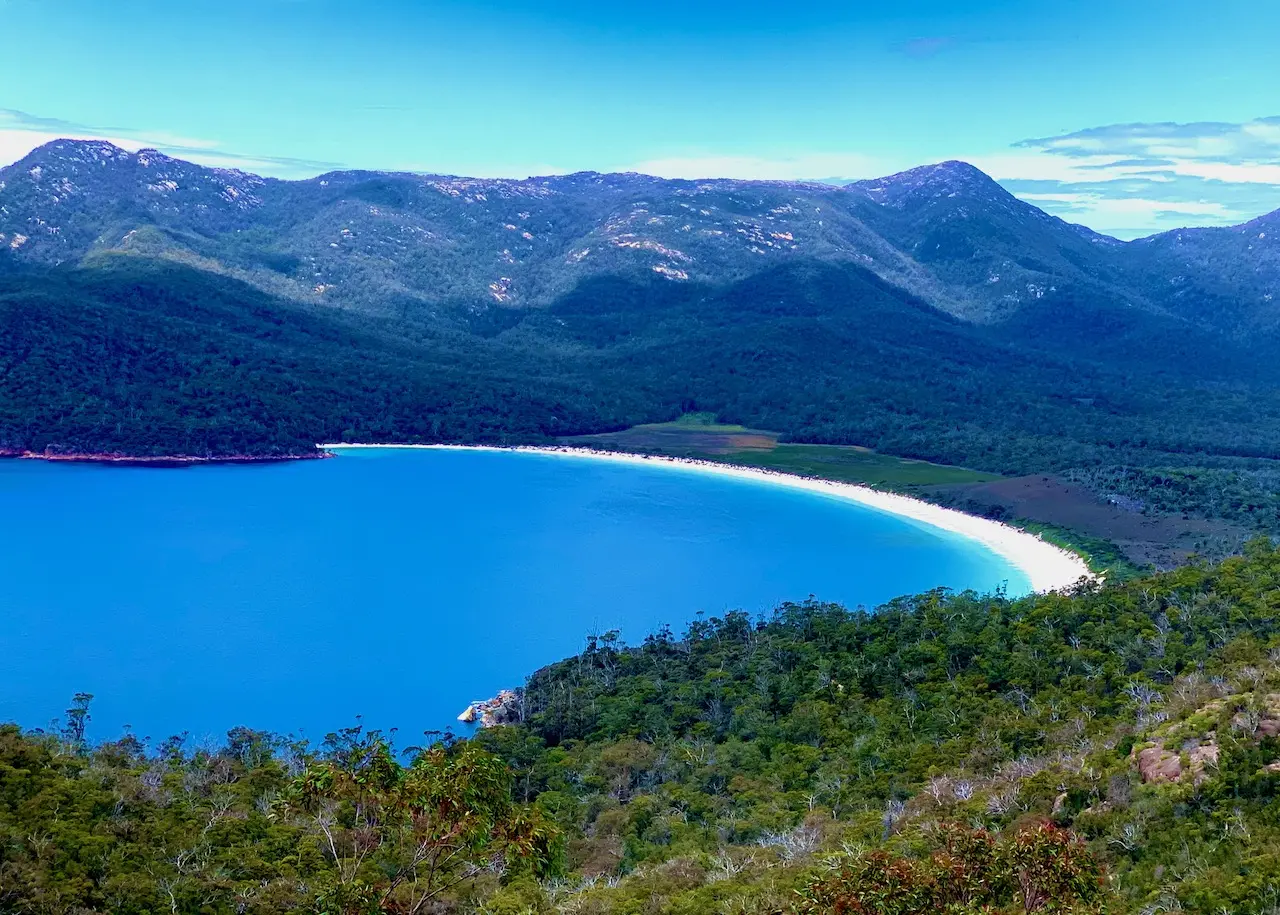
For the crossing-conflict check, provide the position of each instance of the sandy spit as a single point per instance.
(1047, 567)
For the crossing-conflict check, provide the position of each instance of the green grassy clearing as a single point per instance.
(856, 465)
(698, 435)
(703, 422)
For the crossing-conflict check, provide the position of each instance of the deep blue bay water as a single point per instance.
(396, 584)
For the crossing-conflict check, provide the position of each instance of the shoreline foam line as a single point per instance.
(1046, 566)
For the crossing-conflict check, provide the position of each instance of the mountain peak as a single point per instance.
(80, 157)
(950, 169)
(942, 179)
(72, 157)
(81, 151)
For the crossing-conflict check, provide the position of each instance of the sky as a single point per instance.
(1129, 116)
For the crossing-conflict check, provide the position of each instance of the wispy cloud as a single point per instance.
(1209, 141)
(21, 132)
(801, 167)
(1135, 179)
(20, 120)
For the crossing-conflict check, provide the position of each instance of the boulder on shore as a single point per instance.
(503, 708)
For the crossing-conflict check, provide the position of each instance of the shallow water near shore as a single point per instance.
(399, 585)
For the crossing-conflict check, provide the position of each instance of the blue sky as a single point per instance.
(1131, 116)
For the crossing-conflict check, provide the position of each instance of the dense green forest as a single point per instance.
(155, 359)
(1112, 750)
(143, 357)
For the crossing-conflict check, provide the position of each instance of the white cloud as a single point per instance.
(518, 172)
(810, 166)
(20, 133)
(1250, 141)
(14, 144)
(1236, 173)
(1127, 208)
(1048, 167)
(1134, 179)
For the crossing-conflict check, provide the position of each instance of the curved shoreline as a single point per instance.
(1047, 567)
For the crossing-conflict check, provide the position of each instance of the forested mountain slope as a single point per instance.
(153, 306)
(145, 356)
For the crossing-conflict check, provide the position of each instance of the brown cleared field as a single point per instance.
(760, 448)
(1145, 540)
(683, 438)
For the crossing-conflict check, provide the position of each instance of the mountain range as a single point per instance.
(387, 242)
(153, 306)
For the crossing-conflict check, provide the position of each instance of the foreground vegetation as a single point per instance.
(1116, 749)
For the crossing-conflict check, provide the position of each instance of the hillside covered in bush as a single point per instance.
(1116, 749)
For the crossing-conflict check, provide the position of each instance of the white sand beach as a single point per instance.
(1047, 567)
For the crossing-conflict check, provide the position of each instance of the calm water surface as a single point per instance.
(397, 585)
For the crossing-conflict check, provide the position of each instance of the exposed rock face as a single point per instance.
(946, 233)
(1188, 749)
(503, 708)
(1202, 757)
(1156, 764)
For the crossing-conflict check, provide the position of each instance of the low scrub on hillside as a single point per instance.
(1116, 749)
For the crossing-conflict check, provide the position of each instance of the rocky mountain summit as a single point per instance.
(392, 243)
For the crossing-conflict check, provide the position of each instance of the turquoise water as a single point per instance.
(397, 585)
